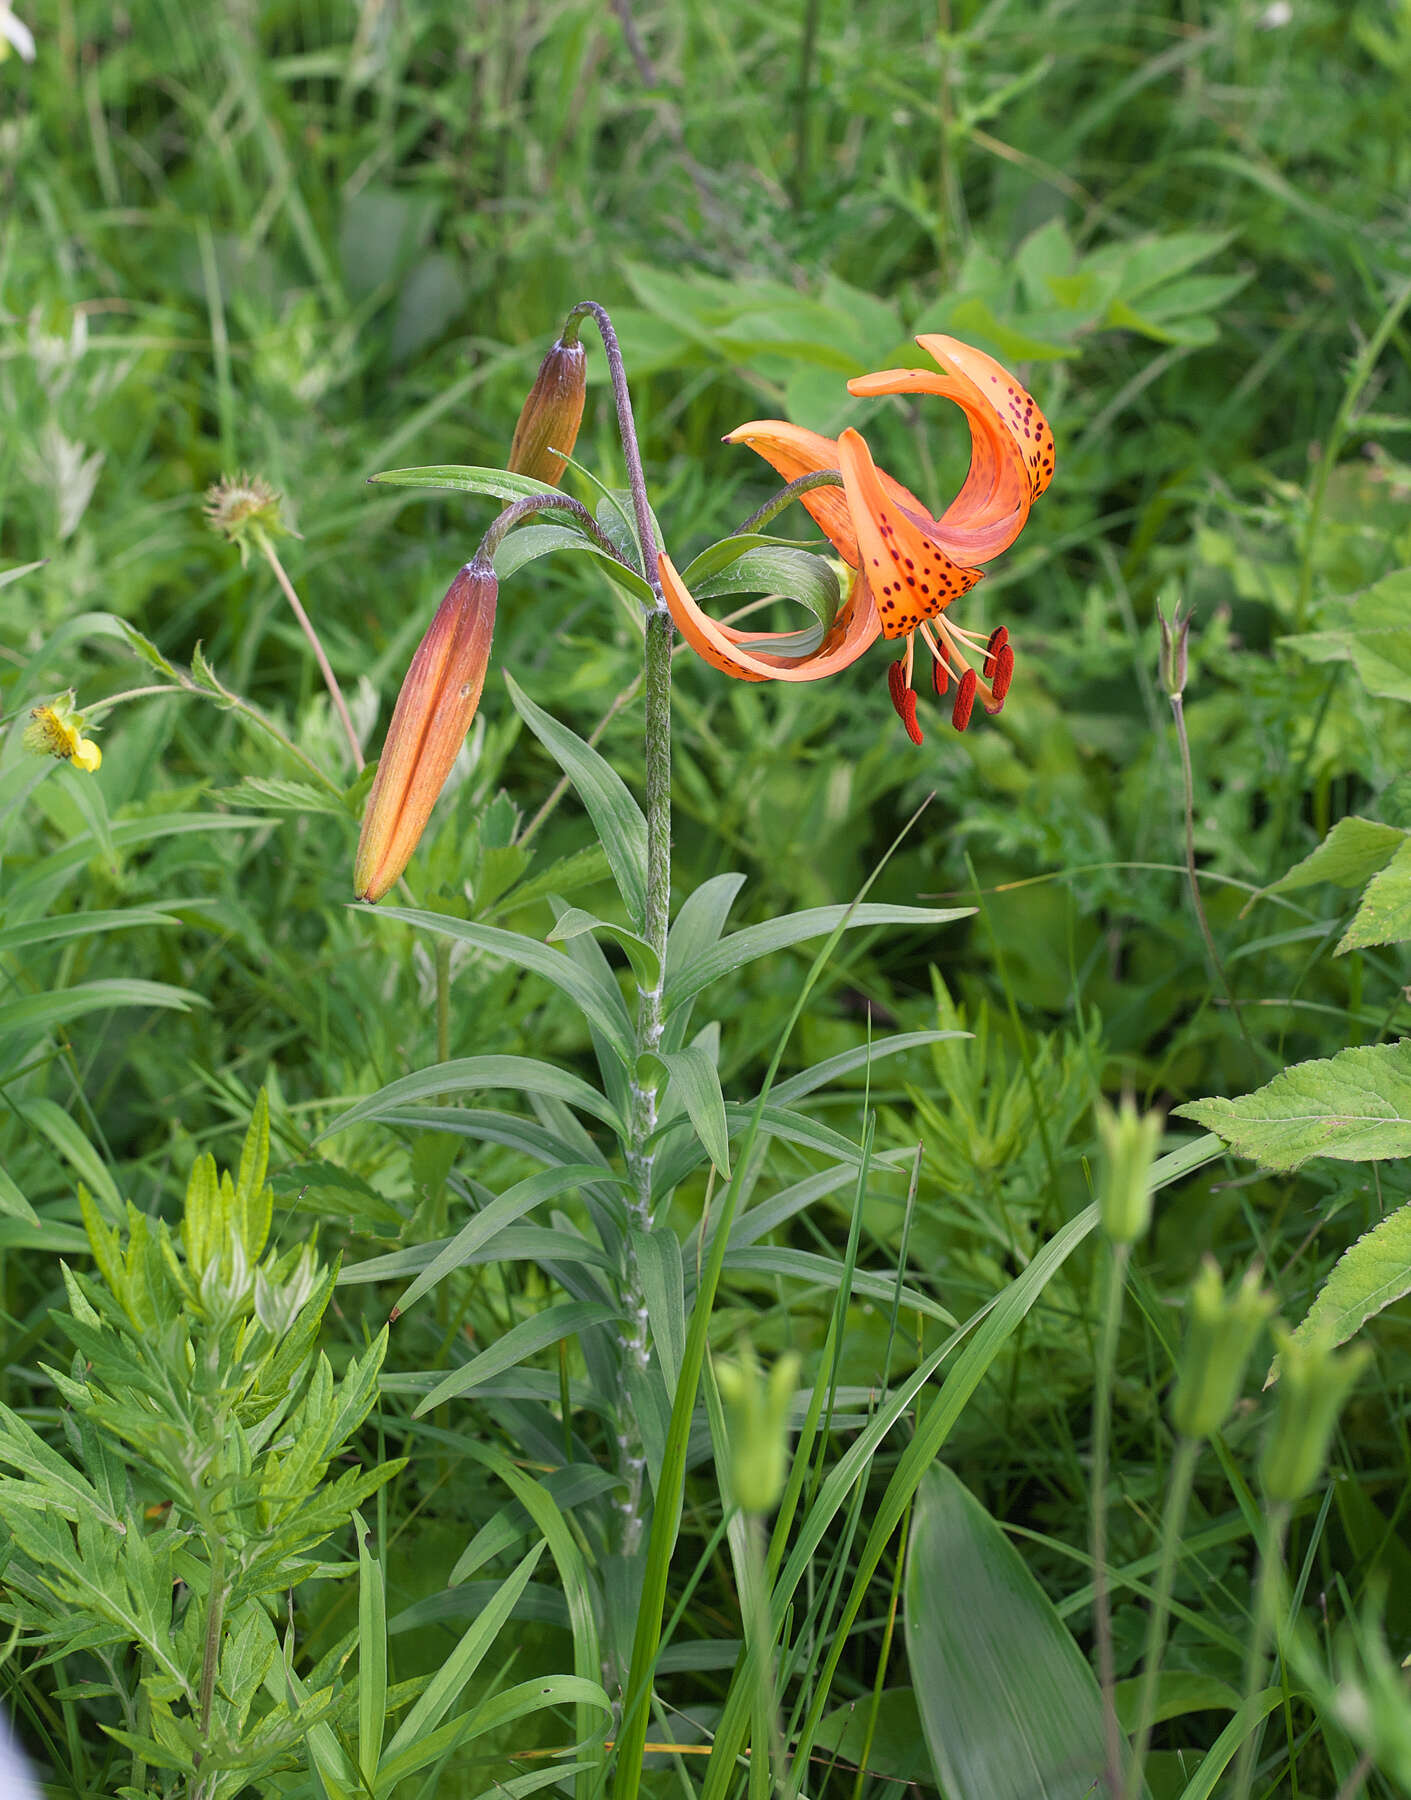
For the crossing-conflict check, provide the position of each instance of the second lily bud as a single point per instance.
(433, 713)
(551, 415)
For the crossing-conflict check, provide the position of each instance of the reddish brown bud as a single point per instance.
(432, 715)
(550, 416)
(964, 700)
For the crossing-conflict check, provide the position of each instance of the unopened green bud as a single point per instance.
(757, 1427)
(551, 415)
(1130, 1141)
(1173, 650)
(1314, 1381)
(1220, 1333)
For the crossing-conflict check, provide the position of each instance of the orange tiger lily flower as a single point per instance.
(909, 566)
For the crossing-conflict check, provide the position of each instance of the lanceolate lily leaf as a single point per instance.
(1010, 1707)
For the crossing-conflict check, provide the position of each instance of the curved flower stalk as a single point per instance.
(909, 566)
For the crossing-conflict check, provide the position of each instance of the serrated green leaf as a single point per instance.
(293, 796)
(616, 816)
(1010, 1707)
(1354, 1107)
(1349, 855)
(1375, 638)
(1368, 1277)
(147, 650)
(1383, 914)
(580, 868)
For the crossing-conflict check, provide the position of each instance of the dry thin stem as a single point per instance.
(340, 706)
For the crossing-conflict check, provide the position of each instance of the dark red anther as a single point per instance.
(896, 684)
(999, 637)
(964, 700)
(1004, 674)
(907, 709)
(940, 677)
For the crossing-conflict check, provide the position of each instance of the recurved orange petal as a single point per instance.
(740, 654)
(794, 451)
(991, 508)
(910, 575)
(1017, 410)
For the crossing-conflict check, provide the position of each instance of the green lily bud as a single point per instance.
(1220, 1333)
(757, 1421)
(1314, 1381)
(551, 415)
(1130, 1141)
(1173, 650)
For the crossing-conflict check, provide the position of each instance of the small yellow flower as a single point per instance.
(56, 729)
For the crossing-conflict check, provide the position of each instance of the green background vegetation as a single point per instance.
(317, 240)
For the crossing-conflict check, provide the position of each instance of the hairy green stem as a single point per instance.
(1266, 1591)
(1178, 1493)
(651, 1016)
(1102, 1426)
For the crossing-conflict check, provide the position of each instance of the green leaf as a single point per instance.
(662, 1273)
(40, 1012)
(616, 816)
(1365, 1279)
(716, 557)
(1354, 1107)
(372, 1650)
(1376, 639)
(529, 542)
(1383, 914)
(519, 1343)
(457, 1669)
(79, 924)
(599, 1001)
(293, 796)
(499, 484)
(573, 922)
(1010, 1707)
(144, 647)
(1348, 856)
(696, 1082)
(13, 1203)
(794, 574)
(472, 1074)
(512, 1205)
(754, 941)
(51, 1121)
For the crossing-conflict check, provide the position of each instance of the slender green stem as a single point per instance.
(1178, 1493)
(228, 697)
(1178, 712)
(1356, 381)
(531, 504)
(215, 1626)
(306, 625)
(879, 1680)
(443, 999)
(1266, 1592)
(786, 497)
(1102, 1425)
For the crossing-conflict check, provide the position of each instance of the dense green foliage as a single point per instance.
(321, 241)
